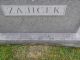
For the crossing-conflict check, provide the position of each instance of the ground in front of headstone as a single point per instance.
(38, 52)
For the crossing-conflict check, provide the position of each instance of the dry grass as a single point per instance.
(20, 52)
(38, 52)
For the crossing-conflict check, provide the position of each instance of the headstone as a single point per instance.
(39, 21)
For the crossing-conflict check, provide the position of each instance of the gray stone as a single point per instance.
(42, 24)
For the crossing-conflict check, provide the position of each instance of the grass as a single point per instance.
(38, 52)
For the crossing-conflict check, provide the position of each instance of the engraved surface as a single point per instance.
(42, 27)
(42, 24)
(37, 10)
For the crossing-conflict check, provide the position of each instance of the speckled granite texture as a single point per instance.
(42, 24)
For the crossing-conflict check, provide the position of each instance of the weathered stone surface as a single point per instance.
(41, 24)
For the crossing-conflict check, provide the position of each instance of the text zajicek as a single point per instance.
(34, 10)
